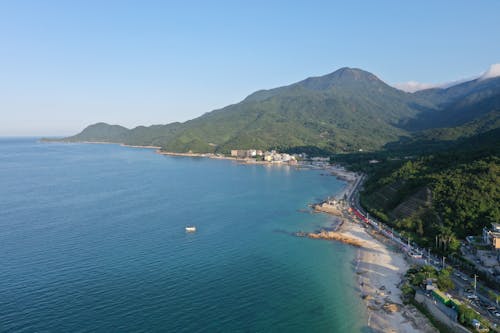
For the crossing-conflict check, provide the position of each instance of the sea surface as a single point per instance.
(92, 239)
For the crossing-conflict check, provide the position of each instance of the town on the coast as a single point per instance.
(256, 156)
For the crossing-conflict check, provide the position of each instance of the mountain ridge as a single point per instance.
(346, 110)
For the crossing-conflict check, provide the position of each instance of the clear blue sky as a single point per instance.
(67, 64)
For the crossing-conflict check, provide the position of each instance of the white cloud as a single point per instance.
(493, 71)
(412, 86)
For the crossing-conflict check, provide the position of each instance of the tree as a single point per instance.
(418, 279)
(429, 271)
(494, 296)
(444, 280)
(466, 314)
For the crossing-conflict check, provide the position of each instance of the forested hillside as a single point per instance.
(463, 185)
(346, 110)
(341, 112)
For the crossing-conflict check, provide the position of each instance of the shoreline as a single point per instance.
(229, 158)
(100, 143)
(379, 271)
(335, 170)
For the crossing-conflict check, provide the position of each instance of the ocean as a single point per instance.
(92, 239)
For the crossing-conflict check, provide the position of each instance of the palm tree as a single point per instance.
(445, 237)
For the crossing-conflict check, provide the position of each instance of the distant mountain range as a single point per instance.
(413, 86)
(344, 111)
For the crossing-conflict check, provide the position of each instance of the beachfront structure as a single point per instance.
(246, 153)
(491, 236)
(269, 156)
(445, 303)
(286, 157)
(275, 157)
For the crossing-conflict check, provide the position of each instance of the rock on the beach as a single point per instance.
(391, 307)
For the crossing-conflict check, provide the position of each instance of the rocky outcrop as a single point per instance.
(331, 235)
(328, 207)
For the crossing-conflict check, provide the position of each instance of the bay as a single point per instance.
(92, 240)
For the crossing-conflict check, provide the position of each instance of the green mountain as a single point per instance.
(346, 110)
(458, 105)
(441, 183)
(446, 194)
(154, 135)
(101, 132)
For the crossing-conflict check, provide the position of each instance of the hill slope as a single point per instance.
(346, 110)
(458, 104)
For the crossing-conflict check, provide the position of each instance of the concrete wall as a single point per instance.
(428, 302)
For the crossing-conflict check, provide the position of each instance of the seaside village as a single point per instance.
(251, 155)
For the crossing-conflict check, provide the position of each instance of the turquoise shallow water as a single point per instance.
(92, 239)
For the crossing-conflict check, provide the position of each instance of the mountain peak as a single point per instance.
(348, 73)
(342, 76)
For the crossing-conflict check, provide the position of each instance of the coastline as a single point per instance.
(222, 157)
(100, 143)
(349, 177)
(378, 269)
(158, 150)
(207, 155)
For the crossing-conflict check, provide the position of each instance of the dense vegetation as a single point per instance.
(442, 183)
(347, 110)
(463, 192)
(416, 276)
(344, 111)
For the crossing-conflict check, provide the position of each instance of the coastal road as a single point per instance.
(353, 200)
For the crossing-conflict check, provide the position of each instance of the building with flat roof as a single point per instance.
(491, 236)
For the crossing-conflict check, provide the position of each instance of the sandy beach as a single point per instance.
(349, 177)
(379, 271)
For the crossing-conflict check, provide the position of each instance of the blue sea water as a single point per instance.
(92, 239)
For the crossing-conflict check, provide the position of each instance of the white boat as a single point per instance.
(191, 229)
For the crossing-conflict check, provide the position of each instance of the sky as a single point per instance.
(67, 64)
